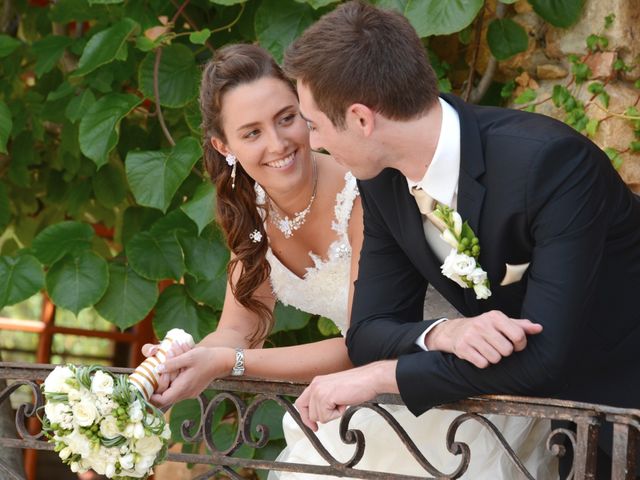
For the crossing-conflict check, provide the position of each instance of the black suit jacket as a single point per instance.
(533, 190)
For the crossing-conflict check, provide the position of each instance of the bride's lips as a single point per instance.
(283, 162)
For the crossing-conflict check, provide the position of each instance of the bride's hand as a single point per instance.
(197, 368)
(165, 379)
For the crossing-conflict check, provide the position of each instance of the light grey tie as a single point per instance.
(426, 206)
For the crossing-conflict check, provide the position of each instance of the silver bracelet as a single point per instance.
(238, 368)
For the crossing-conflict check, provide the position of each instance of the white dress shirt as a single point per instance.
(440, 182)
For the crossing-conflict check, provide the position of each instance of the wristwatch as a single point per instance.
(238, 368)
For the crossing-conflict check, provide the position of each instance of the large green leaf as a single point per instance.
(105, 46)
(57, 240)
(279, 22)
(77, 281)
(137, 219)
(318, 3)
(506, 38)
(270, 415)
(6, 123)
(204, 258)
(201, 206)
(48, 51)
(176, 221)
(20, 278)
(289, 318)
(5, 210)
(8, 45)
(210, 292)
(559, 13)
(435, 17)
(175, 309)
(398, 5)
(129, 297)
(178, 76)
(227, 2)
(155, 258)
(154, 176)
(79, 105)
(100, 125)
(110, 185)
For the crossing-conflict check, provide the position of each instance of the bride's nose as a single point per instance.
(276, 142)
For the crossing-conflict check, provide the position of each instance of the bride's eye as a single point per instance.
(287, 119)
(251, 134)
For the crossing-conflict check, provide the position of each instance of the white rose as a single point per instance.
(84, 413)
(148, 446)
(56, 381)
(457, 223)
(98, 462)
(78, 443)
(478, 276)
(450, 238)
(135, 412)
(448, 269)
(166, 432)
(102, 383)
(64, 453)
(463, 264)
(111, 470)
(105, 405)
(144, 464)
(482, 292)
(74, 395)
(55, 411)
(74, 466)
(138, 430)
(126, 461)
(109, 427)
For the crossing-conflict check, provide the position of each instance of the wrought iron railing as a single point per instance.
(583, 441)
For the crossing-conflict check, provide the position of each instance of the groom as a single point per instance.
(558, 231)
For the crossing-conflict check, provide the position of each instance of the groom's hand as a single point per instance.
(328, 396)
(482, 340)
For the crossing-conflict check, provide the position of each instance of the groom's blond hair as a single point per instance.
(361, 54)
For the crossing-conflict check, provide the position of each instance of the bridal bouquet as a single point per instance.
(103, 421)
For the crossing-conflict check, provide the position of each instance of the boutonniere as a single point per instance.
(461, 265)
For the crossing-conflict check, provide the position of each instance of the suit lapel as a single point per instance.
(470, 191)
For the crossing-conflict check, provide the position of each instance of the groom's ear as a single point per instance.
(361, 118)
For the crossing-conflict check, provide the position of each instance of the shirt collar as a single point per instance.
(441, 178)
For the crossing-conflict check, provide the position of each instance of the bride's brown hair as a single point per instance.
(237, 211)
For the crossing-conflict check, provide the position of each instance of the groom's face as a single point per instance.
(346, 145)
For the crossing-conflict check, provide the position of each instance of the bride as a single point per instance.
(292, 219)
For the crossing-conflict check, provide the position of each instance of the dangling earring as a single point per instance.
(232, 162)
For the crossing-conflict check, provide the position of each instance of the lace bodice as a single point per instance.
(324, 289)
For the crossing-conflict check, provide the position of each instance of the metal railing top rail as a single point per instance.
(583, 441)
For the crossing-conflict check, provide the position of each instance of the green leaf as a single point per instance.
(78, 107)
(608, 20)
(595, 87)
(8, 45)
(99, 127)
(175, 309)
(176, 221)
(104, 2)
(77, 281)
(5, 209)
(604, 98)
(20, 278)
(190, 410)
(506, 38)
(6, 124)
(129, 297)
(592, 127)
(210, 292)
(435, 17)
(137, 219)
(634, 146)
(105, 46)
(48, 52)
(154, 176)
(529, 95)
(226, 2)
(155, 258)
(581, 71)
(289, 318)
(270, 415)
(327, 327)
(279, 22)
(109, 185)
(316, 4)
(199, 38)
(178, 76)
(201, 206)
(397, 5)
(561, 14)
(60, 239)
(614, 156)
(204, 259)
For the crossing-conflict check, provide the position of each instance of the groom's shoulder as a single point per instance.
(384, 183)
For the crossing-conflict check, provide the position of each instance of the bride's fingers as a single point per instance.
(149, 349)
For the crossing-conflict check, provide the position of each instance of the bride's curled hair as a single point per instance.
(237, 211)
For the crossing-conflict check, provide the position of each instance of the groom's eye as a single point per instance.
(310, 126)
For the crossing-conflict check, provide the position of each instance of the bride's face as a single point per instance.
(265, 132)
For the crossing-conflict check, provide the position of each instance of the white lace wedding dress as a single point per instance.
(324, 291)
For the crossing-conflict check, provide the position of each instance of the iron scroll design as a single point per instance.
(582, 441)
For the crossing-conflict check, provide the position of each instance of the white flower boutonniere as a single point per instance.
(461, 265)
